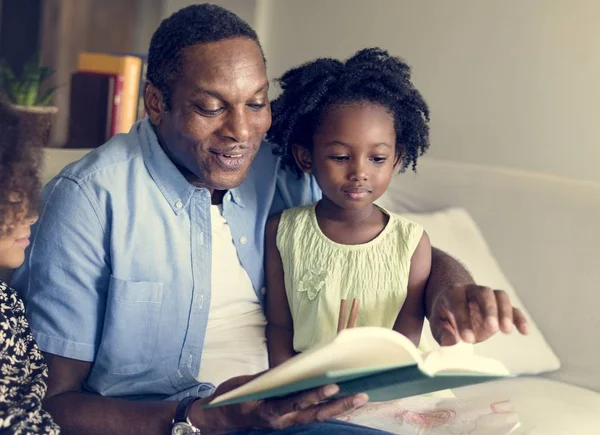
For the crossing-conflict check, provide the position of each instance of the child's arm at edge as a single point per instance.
(280, 327)
(410, 320)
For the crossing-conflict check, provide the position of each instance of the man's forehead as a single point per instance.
(230, 60)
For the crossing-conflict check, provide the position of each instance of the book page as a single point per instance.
(460, 359)
(356, 348)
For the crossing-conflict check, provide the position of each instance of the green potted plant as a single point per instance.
(24, 90)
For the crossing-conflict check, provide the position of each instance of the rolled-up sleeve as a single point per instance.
(64, 280)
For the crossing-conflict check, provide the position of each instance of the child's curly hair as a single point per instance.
(371, 75)
(19, 171)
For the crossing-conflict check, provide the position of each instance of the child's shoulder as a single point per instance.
(403, 225)
(290, 217)
(297, 212)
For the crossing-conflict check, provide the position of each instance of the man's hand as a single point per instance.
(473, 313)
(280, 413)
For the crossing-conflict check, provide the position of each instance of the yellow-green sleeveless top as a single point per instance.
(320, 272)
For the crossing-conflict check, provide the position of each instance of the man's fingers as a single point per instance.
(301, 401)
(459, 307)
(447, 335)
(485, 299)
(326, 411)
(505, 311)
(520, 321)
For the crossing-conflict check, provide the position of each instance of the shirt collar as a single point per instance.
(235, 195)
(170, 181)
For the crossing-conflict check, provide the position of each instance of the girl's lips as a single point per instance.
(357, 193)
(22, 242)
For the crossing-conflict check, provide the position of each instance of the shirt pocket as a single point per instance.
(131, 326)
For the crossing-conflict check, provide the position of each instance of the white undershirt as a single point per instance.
(235, 342)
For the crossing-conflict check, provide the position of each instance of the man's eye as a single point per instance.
(339, 158)
(206, 112)
(257, 106)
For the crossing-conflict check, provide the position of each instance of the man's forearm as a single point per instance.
(83, 413)
(446, 272)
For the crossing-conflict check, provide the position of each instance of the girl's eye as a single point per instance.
(257, 106)
(338, 158)
(379, 160)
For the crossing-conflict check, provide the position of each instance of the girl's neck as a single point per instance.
(350, 227)
(327, 209)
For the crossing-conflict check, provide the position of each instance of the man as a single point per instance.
(144, 277)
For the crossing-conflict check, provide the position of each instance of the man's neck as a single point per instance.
(216, 196)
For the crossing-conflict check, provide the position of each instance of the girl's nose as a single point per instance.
(359, 172)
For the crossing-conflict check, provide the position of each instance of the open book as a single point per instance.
(374, 360)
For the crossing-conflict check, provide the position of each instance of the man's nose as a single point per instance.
(237, 126)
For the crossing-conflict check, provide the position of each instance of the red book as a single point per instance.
(117, 106)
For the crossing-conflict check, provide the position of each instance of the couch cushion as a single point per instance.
(544, 406)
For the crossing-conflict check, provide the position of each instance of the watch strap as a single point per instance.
(183, 409)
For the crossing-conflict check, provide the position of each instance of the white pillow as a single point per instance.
(454, 231)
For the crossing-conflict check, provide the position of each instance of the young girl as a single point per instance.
(350, 125)
(23, 372)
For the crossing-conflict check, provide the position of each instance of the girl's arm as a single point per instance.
(410, 320)
(280, 328)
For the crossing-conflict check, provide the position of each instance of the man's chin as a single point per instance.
(226, 180)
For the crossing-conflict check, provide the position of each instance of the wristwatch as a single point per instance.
(181, 424)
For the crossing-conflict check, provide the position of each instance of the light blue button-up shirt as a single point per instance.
(119, 268)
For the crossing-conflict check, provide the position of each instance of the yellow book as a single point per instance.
(130, 67)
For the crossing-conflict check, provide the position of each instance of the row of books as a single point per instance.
(106, 97)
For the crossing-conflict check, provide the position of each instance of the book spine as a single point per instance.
(141, 111)
(130, 94)
(128, 66)
(109, 107)
(115, 122)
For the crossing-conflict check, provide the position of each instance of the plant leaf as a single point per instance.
(45, 99)
(31, 92)
(45, 73)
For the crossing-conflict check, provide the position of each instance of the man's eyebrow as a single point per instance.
(213, 93)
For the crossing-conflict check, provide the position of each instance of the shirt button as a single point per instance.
(178, 204)
(263, 291)
(243, 240)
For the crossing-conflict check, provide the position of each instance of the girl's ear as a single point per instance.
(303, 158)
(398, 157)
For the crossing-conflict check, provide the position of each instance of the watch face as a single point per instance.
(183, 429)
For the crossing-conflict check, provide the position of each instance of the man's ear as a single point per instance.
(154, 103)
(303, 158)
(398, 157)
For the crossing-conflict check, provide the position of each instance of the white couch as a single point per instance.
(544, 232)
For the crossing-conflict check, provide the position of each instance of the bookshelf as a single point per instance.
(70, 27)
